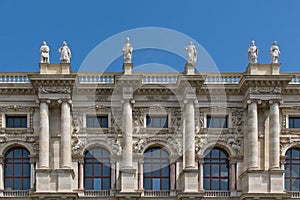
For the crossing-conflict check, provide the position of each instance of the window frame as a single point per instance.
(163, 162)
(13, 163)
(90, 114)
(97, 162)
(217, 116)
(5, 122)
(212, 162)
(292, 163)
(158, 115)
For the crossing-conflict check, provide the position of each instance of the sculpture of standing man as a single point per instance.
(127, 51)
(274, 52)
(44, 53)
(65, 53)
(252, 53)
(192, 54)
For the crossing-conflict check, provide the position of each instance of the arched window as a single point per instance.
(17, 169)
(97, 169)
(215, 170)
(156, 169)
(292, 169)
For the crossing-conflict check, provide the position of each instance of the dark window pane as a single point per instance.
(8, 184)
(18, 184)
(88, 169)
(295, 185)
(17, 170)
(165, 171)
(106, 170)
(156, 121)
(88, 183)
(215, 170)
(147, 183)
(216, 122)
(16, 121)
(26, 184)
(97, 184)
(97, 170)
(295, 171)
(106, 184)
(98, 121)
(287, 184)
(8, 169)
(165, 184)
(292, 167)
(294, 122)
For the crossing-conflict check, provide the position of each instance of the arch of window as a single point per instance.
(17, 169)
(292, 170)
(97, 169)
(156, 169)
(216, 170)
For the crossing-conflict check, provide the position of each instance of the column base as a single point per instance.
(189, 179)
(128, 180)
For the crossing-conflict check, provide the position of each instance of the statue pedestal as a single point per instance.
(189, 69)
(190, 180)
(263, 69)
(127, 68)
(62, 68)
(128, 180)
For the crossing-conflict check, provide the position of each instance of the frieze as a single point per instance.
(157, 98)
(54, 89)
(18, 108)
(265, 90)
(102, 98)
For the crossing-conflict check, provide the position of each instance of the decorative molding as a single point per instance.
(237, 120)
(115, 145)
(138, 119)
(176, 120)
(54, 89)
(175, 145)
(138, 147)
(77, 145)
(265, 90)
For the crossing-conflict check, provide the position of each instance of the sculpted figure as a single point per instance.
(44, 53)
(65, 53)
(127, 51)
(252, 52)
(274, 52)
(191, 54)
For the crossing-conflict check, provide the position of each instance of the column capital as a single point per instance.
(275, 101)
(39, 101)
(69, 101)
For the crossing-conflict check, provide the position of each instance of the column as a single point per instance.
(81, 175)
(32, 175)
(127, 134)
(200, 179)
(172, 176)
(252, 135)
(232, 174)
(113, 175)
(44, 136)
(274, 135)
(189, 137)
(141, 175)
(66, 148)
(1, 173)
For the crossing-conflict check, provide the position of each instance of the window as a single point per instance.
(99, 121)
(215, 170)
(97, 169)
(294, 122)
(17, 169)
(156, 170)
(16, 121)
(292, 170)
(157, 121)
(216, 122)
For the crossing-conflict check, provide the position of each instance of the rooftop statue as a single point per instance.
(127, 51)
(274, 52)
(252, 53)
(191, 54)
(65, 53)
(45, 53)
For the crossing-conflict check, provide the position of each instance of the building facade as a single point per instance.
(141, 136)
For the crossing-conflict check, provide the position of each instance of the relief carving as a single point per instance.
(265, 90)
(237, 120)
(138, 120)
(77, 145)
(115, 145)
(56, 89)
(176, 120)
(175, 145)
(139, 146)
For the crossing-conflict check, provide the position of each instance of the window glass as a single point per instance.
(18, 121)
(17, 169)
(215, 170)
(216, 122)
(294, 122)
(97, 169)
(97, 121)
(157, 121)
(292, 170)
(156, 169)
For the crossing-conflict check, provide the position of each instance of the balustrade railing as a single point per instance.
(16, 193)
(295, 194)
(156, 193)
(216, 193)
(97, 193)
(14, 78)
(103, 78)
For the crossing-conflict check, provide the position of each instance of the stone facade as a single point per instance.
(57, 104)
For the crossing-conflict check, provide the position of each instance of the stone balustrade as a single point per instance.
(97, 193)
(216, 193)
(16, 193)
(156, 193)
(148, 78)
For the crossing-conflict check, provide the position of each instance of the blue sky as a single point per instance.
(223, 28)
